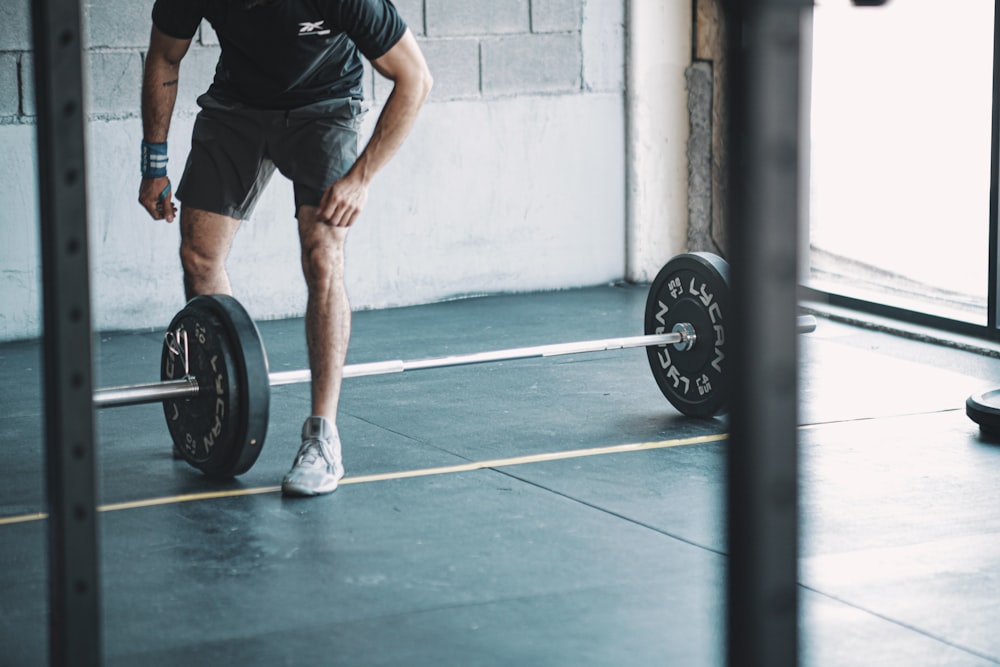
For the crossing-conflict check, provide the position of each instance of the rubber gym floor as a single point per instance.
(454, 540)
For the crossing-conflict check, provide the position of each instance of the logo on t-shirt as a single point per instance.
(310, 28)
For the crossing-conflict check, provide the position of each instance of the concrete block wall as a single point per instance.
(514, 178)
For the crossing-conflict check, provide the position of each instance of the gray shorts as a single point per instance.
(235, 149)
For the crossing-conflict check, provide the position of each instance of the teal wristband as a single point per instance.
(153, 160)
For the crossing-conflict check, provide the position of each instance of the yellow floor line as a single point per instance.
(187, 498)
(535, 458)
(403, 474)
(23, 518)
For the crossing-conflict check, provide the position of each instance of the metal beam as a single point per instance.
(993, 289)
(74, 587)
(762, 490)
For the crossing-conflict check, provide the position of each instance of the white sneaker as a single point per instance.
(318, 467)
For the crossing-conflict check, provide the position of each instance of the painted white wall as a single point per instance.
(524, 193)
(20, 302)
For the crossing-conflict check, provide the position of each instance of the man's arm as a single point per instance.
(159, 93)
(405, 66)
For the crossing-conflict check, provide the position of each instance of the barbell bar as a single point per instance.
(188, 387)
(215, 382)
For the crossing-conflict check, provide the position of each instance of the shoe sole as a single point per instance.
(291, 489)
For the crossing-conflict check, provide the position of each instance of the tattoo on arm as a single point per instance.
(167, 84)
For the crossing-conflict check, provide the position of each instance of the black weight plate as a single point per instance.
(984, 409)
(692, 288)
(221, 431)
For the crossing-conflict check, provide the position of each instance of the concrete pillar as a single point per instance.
(658, 53)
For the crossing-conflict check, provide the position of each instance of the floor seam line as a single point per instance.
(609, 512)
(901, 624)
(852, 420)
(385, 428)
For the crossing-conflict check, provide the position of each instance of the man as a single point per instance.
(288, 94)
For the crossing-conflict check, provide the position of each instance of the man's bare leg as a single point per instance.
(328, 311)
(318, 466)
(205, 242)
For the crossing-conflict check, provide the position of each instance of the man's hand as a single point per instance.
(343, 201)
(404, 65)
(156, 196)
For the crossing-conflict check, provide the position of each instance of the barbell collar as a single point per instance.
(150, 392)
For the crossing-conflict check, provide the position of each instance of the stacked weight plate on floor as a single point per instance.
(221, 430)
(691, 289)
(984, 409)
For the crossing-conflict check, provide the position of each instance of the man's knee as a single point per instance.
(196, 262)
(205, 241)
(322, 248)
(323, 262)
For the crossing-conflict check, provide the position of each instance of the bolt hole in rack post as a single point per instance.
(215, 383)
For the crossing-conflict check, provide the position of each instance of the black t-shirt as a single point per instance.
(287, 53)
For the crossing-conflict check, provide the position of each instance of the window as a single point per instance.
(901, 144)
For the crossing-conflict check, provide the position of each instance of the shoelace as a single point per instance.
(313, 450)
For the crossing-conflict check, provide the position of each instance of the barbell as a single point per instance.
(215, 382)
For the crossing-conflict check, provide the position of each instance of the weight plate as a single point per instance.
(221, 431)
(691, 288)
(984, 409)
